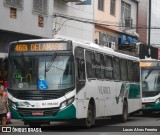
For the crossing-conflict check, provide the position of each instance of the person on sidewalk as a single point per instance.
(3, 106)
(9, 118)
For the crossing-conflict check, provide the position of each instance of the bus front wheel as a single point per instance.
(90, 119)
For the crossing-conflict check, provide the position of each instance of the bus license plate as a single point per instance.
(37, 113)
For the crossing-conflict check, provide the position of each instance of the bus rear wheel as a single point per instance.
(124, 115)
(34, 124)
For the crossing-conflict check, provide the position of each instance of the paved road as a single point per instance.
(103, 127)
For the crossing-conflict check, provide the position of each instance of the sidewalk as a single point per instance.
(16, 123)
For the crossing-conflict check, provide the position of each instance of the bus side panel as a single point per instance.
(82, 103)
(96, 91)
(110, 102)
(134, 98)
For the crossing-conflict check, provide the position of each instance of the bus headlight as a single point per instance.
(63, 104)
(157, 101)
(67, 102)
(12, 104)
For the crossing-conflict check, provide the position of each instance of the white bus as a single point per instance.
(150, 75)
(60, 79)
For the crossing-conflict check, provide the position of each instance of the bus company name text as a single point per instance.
(104, 90)
(109, 68)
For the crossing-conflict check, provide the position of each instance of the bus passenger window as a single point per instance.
(98, 66)
(124, 70)
(90, 64)
(81, 69)
(108, 67)
(116, 68)
(136, 71)
(130, 70)
(102, 66)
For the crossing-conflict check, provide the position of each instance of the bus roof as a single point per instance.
(87, 45)
(104, 49)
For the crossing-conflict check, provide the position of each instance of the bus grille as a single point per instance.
(148, 104)
(46, 112)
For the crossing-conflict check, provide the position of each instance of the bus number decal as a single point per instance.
(21, 47)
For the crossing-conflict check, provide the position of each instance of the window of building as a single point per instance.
(112, 7)
(40, 21)
(101, 5)
(126, 10)
(90, 64)
(13, 13)
(40, 7)
(18, 4)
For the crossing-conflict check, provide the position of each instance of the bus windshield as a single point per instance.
(150, 80)
(41, 72)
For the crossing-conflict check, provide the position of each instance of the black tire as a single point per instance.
(147, 113)
(124, 115)
(90, 120)
(25, 122)
(34, 124)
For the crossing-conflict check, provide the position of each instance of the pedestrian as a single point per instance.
(3, 106)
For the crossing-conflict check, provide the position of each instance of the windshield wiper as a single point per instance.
(49, 65)
(149, 72)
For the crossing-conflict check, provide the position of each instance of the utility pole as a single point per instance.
(149, 24)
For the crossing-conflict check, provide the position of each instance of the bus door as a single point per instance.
(81, 94)
(99, 74)
(109, 86)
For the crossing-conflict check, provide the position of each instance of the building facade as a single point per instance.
(142, 22)
(118, 22)
(74, 18)
(155, 22)
(24, 19)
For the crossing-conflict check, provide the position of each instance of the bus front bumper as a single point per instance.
(68, 112)
(151, 106)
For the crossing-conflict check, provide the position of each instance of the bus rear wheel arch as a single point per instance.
(124, 115)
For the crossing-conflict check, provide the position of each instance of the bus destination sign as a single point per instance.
(149, 64)
(37, 47)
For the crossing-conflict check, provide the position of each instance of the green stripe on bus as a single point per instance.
(67, 113)
(134, 91)
(153, 107)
